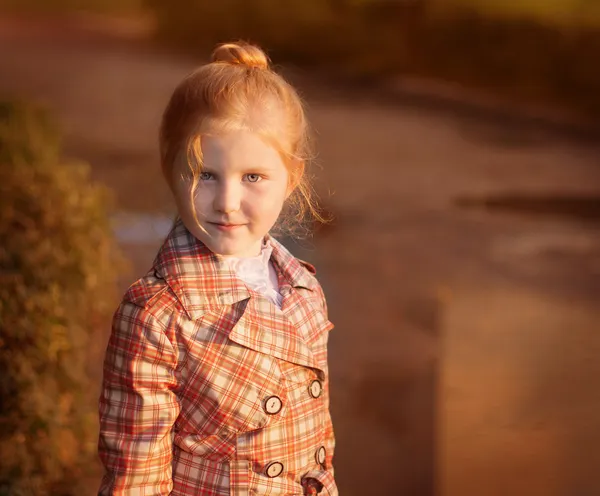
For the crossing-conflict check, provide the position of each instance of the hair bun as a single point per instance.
(241, 54)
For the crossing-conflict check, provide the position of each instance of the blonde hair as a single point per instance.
(225, 94)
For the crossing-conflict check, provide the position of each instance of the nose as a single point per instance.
(227, 197)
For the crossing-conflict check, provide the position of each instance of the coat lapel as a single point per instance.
(203, 282)
(302, 297)
(265, 329)
(306, 314)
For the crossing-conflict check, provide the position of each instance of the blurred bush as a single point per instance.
(527, 58)
(57, 283)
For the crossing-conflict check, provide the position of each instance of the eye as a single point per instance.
(253, 178)
(205, 176)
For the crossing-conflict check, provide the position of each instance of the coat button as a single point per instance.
(321, 455)
(315, 389)
(224, 433)
(273, 405)
(274, 469)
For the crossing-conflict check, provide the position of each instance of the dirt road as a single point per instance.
(465, 354)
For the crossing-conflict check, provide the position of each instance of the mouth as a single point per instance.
(221, 226)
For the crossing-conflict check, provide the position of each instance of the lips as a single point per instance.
(223, 226)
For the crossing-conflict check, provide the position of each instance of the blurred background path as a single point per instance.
(462, 271)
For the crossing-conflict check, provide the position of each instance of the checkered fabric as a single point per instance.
(209, 388)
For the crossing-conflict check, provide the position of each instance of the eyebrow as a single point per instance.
(243, 170)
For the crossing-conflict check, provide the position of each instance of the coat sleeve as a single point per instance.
(138, 406)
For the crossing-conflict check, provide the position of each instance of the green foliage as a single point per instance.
(57, 279)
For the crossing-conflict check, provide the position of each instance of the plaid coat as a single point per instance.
(209, 388)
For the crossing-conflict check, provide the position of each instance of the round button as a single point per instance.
(321, 455)
(225, 433)
(273, 405)
(274, 469)
(315, 389)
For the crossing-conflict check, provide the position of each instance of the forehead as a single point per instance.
(238, 149)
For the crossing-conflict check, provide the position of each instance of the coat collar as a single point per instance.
(202, 280)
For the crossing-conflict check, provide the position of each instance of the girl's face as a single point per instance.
(239, 196)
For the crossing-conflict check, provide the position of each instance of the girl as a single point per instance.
(215, 376)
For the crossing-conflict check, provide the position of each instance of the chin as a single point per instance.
(226, 248)
(223, 244)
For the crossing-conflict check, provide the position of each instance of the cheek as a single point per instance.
(269, 200)
(202, 199)
(274, 196)
(185, 203)
(182, 195)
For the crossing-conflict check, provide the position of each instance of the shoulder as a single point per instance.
(308, 266)
(148, 309)
(300, 273)
(313, 284)
(151, 293)
(146, 290)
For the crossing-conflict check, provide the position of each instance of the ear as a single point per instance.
(296, 172)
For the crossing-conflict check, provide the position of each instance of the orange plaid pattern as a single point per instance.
(210, 389)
